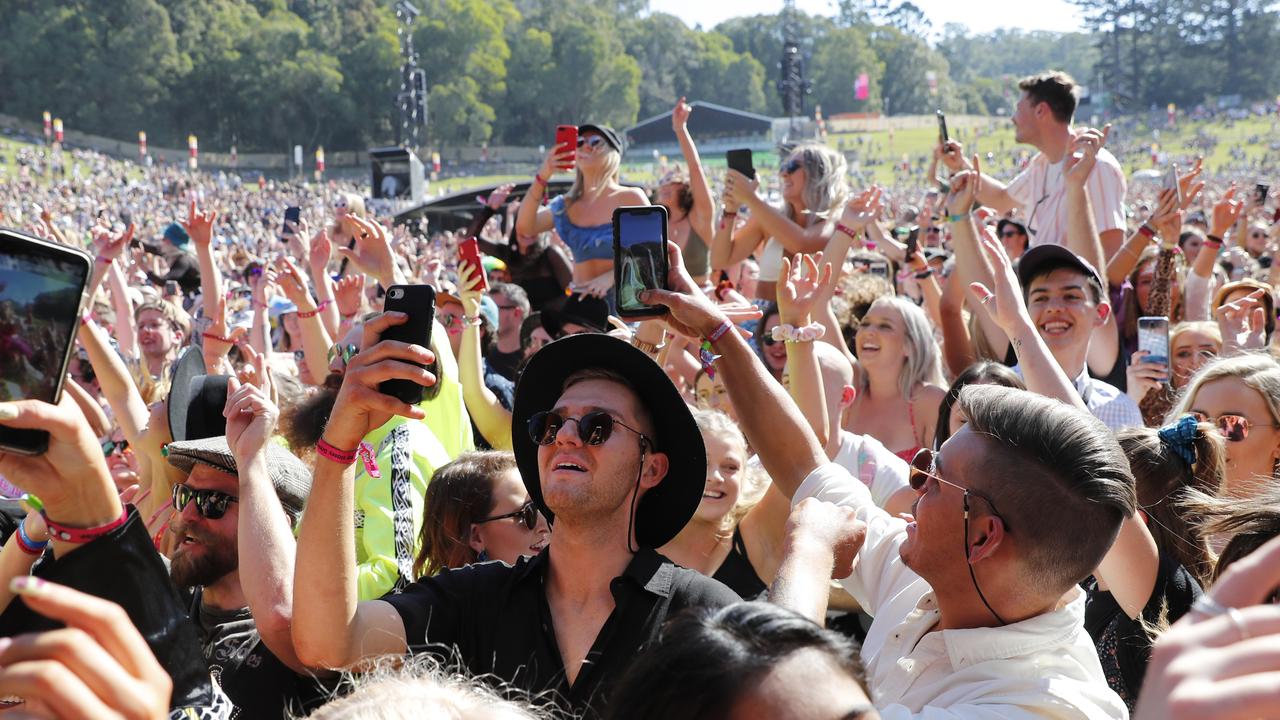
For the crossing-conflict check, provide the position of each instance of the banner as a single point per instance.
(862, 87)
(193, 149)
(142, 143)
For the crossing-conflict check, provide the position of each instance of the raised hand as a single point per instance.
(1242, 324)
(965, 187)
(371, 254)
(738, 188)
(863, 210)
(320, 251)
(1144, 377)
(110, 246)
(690, 312)
(470, 287)
(953, 156)
(251, 420)
(1083, 155)
(293, 284)
(1187, 183)
(1225, 212)
(803, 285)
(1167, 218)
(680, 115)
(349, 294)
(558, 159)
(499, 196)
(1004, 304)
(199, 225)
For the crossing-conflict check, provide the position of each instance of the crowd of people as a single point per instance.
(883, 452)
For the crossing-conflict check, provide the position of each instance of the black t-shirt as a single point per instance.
(495, 620)
(258, 684)
(1124, 646)
(504, 364)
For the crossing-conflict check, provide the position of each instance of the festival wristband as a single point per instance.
(1146, 231)
(924, 274)
(538, 179)
(841, 227)
(1213, 240)
(103, 259)
(26, 544)
(64, 533)
(957, 218)
(329, 452)
(313, 313)
(219, 338)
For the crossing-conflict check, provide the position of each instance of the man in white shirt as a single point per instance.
(978, 613)
(1042, 118)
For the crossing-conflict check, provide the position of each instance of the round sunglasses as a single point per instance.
(790, 166)
(594, 428)
(527, 514)
(1233, 428)
(591, 141)
(210, 504)
(112, 446)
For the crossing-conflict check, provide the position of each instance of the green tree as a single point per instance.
(842, 56)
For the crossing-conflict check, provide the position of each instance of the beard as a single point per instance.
(215, 562)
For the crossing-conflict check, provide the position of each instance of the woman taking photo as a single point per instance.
(477, 509)
(687, 198)
(544, 270)
(813, 189)
(583, 217)
(899, 379)
(1154, 386)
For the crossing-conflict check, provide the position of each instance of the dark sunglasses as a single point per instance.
(1233, 428)
(768, 341)
(347, 352)
(527, 513)
(594, 428)
(211, 504)
(591, 141)
(790, 166)
(1010, 233)
(111, 446)
(933, 230)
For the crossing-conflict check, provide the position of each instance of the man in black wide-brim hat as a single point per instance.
(607, 449)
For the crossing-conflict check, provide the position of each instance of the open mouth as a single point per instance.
(713, 495)
(570, 466)
(1055, 328)
(540, 545)
(869, 347)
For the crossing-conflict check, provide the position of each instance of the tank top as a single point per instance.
(736, 571)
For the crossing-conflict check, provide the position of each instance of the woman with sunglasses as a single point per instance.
(813, 189)
(477, 510)
(583, 217)
(1240, 396)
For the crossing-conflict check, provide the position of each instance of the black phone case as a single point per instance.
(741, 161)
(12, 243)
(419, 303)
(618, 270)
(942, 127)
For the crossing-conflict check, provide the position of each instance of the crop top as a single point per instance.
(586, 243)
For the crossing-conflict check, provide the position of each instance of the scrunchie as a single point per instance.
(804, 333)
(1180, 437)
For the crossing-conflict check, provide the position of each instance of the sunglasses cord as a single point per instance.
(631, 514)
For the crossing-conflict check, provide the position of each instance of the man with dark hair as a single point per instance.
(977, 609)
(505, 353)
(1042, 118)
(606, 447)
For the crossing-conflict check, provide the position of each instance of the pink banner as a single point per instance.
(862, 87)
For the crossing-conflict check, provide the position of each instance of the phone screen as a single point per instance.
(291, 215)
(640, 250)
(942, 128)
(1153, 336)
(40, 291)
(1260, 192)
(1170, 182)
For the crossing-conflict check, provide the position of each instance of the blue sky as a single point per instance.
(979, 15)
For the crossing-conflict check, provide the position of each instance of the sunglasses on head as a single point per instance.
(527, 513)
(594, 428)
(591, 141)
(111, 446)
(211, 504)
(790, 166)
(1233, 428)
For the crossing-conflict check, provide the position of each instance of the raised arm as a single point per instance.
(966, 238)
(533, 218)
(330, 628)
(199, 226)
(493, 420)
(991, 192)
(1082, 231)
(702, 216)
(315, 338)
(794, 237)
(798, 289)
(126, 337)
(318, 252)
(116, 382)
(108, 247)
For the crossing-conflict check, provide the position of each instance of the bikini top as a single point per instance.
(587, 243)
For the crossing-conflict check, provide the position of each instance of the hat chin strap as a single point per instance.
(631, 514)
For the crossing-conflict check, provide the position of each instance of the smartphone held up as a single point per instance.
(639, 257)
(41, 297)
(419, 303)
(1153, 337)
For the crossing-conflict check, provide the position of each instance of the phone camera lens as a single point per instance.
(397, 294)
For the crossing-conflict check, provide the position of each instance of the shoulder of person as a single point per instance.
(470, 582)
(690, 588)
(627, 192)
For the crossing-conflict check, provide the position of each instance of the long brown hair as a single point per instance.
(1163, 481)
(459, 494)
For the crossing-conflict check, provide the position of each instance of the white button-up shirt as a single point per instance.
(1042, 667)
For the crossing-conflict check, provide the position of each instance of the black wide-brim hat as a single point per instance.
(664, 509)
(196, 400)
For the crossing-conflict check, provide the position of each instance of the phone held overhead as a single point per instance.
(419, 303)
(639, 257)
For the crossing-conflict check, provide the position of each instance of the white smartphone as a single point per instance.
(1170, 182)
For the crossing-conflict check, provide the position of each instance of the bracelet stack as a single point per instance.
(705, 354)
(26, 544)
(82, 535)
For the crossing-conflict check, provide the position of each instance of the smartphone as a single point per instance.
(913, 241)
(741, 161)
(639, 257)
(292, 214)
(1170, 182)
(1153, 336)
(419, 303)
(943, 137)
(1260, 192)
(171, 288)
(879, 267)
(41, 297)
(567, 137)
(469, 250)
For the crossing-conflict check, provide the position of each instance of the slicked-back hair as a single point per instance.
(707, 658)
(1056, 89)
(1061, 481)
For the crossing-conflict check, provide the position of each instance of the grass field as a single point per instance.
(881, 151)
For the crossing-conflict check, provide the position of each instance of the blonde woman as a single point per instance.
(583, 217)
(813, 190)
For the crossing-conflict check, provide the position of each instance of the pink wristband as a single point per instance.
(61, 532)
(719, 331)
(329, 452)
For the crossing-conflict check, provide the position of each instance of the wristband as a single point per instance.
(82, 535)
(329, 452)
(1213, 240)
(803, 333)
(924, 274)
(957, 218)
(26, 544)
(705, 355)
(103, 259)
(841, 227)
(719, 331)
(1146, 231)
(219, 338)
(538, 179)
(647, 347)
(469, 321)
(313, 313)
